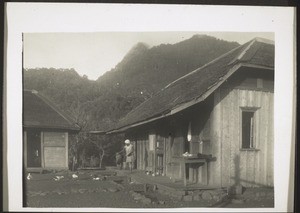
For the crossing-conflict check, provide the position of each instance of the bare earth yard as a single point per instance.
(109, 190)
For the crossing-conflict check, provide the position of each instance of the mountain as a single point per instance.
(152, 69)
(141, 73)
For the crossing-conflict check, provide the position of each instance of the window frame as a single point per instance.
(253, 143)
(152, 141)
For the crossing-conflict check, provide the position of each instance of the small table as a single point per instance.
(187, 160)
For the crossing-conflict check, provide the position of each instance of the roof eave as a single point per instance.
(124, 128)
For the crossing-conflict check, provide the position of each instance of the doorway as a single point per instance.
(33, 149)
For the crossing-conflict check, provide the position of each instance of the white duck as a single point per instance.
(29, 176)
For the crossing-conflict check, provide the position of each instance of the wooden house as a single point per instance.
(46, 132)
(221, 114)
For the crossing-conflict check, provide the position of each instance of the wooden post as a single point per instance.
(67, 149)
(164, 157)
(205, 173)
(25, 149)
(42, 150)
(184, 173)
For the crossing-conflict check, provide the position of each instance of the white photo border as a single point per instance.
(92, 17)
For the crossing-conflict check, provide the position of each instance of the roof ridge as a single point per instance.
(244, 51)
(258, 39)
(205, 65)
(239, 56)
(264, 40)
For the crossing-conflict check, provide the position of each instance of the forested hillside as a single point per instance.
(97, 105)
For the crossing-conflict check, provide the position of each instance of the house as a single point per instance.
(213, 126)
(46, 133)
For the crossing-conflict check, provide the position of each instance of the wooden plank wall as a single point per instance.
(142, 153)
(54, 149)
(251, 168)
(214, 167)
(177, 150)
(174, 149)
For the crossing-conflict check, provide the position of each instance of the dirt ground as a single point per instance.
(104, 189)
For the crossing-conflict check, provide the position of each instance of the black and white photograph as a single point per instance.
(187, 123)
(150, 119)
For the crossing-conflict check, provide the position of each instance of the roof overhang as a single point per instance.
(201, 98)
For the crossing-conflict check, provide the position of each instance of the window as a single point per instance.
(152, 139)
(188, 138)
(247, 129)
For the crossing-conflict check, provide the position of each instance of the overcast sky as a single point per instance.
(93, 54)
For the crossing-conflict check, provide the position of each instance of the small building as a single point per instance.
(213, 126)
(46, 133)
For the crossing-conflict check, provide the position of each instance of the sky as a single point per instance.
(93, 54)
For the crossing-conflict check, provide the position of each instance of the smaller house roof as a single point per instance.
(198, 84)
(40, 112)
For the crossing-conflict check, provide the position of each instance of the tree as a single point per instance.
(81, 118)
(101, 146)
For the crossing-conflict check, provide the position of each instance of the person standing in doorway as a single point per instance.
(129, 154)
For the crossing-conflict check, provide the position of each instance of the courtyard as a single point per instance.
(114, 188)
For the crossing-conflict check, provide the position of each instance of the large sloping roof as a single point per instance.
(193, 87)
(40, 112)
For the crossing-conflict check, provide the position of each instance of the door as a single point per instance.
(160, 155)
(33, 149)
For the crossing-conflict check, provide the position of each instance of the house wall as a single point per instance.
(53, 149)
(216, 130)
(173, 132)
(175, 149)
(142, 148)
(172, 141)
(198, 117)
(250, 167)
